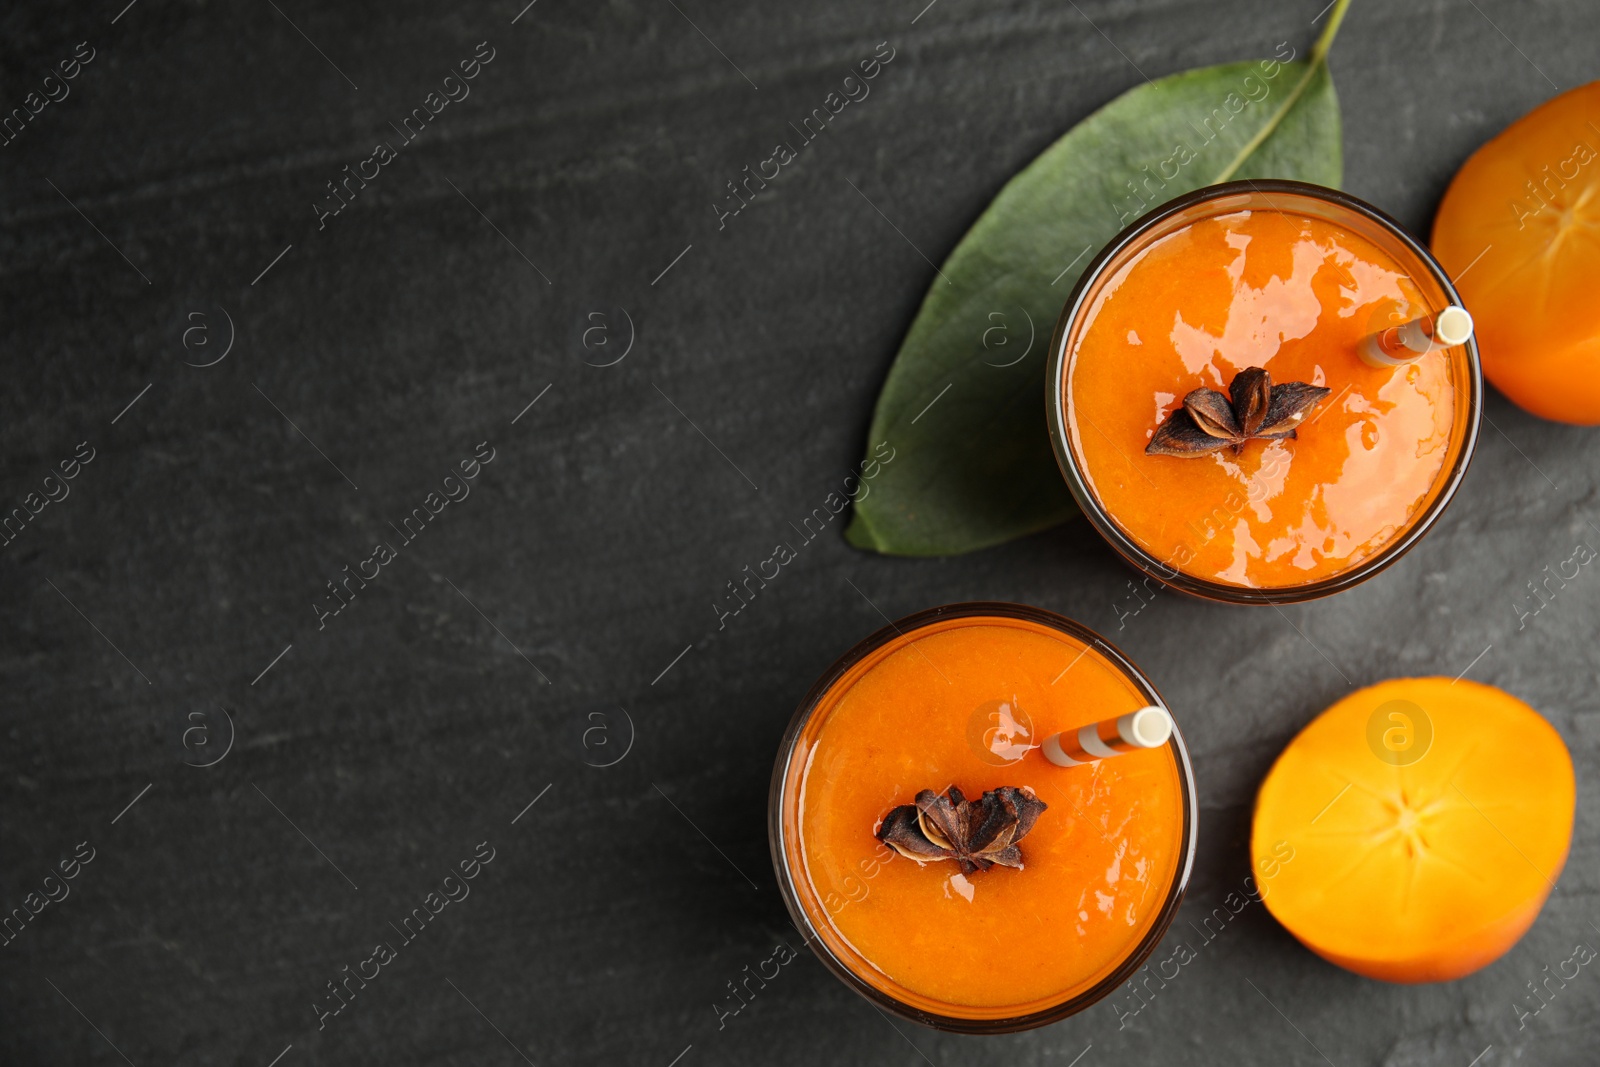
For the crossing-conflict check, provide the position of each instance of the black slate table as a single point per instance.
(268, 380)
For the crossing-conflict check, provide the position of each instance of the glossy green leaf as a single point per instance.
(963, 405)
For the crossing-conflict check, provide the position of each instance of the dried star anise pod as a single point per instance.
(1254, 408)
(977, 834)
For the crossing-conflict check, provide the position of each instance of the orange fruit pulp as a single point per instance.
(1099, 864)
(1295, 295)
(1519, 231)
(1428, 821)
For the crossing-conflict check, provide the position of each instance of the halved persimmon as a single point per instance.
(1519, 232)
(1425, 821)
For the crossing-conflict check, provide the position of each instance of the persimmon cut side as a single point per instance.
(1519, 232)
(1426, 822)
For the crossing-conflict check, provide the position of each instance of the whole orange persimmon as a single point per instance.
(1519, 231)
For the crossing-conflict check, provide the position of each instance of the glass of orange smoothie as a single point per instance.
(1293, 466)
(957, 700)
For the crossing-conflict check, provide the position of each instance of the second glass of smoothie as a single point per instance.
(961, 697)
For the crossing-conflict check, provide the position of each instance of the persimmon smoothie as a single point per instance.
(1340, 457)
(1017, 930)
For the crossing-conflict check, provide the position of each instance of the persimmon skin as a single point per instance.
(1416, 870)
(1452, 961)
(1517, 230)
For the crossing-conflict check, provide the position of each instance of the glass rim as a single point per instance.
(781, 853)
(1137, 555)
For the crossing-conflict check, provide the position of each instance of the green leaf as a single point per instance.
(963, 405)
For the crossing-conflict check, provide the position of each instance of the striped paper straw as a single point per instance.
(1398, 345)
(1146, 728)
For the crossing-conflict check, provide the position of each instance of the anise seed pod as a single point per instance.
(1253, 409)
(977, 834)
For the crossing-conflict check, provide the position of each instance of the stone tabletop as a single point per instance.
(530, 350)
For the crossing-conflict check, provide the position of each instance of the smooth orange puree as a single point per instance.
(1001, 942)
(1295, 295)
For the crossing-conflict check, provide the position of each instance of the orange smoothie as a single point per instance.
(1102, 866)
(1295, 295)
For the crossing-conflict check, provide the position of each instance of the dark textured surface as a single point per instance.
(419, 723)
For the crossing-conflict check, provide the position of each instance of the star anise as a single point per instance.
(977, 834)
(1254, 408)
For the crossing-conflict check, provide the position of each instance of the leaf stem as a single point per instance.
(1319, 51)
(1317, 60)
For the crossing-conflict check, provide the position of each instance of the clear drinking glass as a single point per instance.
(1296, 198)
(814, 915)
